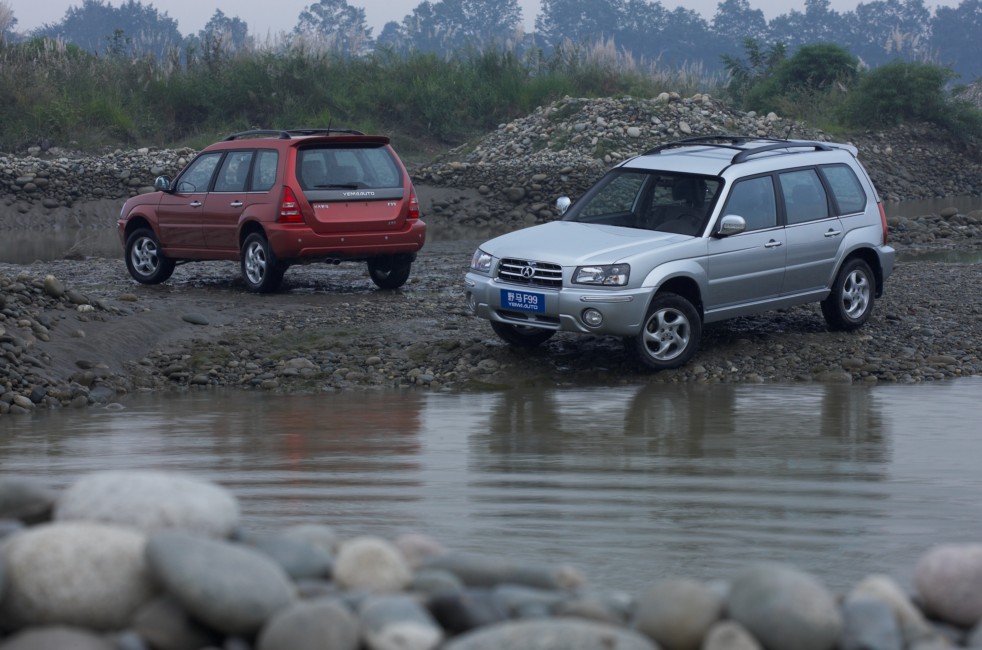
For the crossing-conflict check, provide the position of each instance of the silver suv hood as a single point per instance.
(569, 243)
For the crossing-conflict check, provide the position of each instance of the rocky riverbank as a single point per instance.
(140, 560)
(80, 332)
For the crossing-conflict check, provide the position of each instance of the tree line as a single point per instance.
(144, 84)
(876, 32)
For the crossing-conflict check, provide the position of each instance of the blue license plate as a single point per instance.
(523, 301)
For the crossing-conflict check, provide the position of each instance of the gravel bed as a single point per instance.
(77, 332)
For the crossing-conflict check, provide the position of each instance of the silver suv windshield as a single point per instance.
(649, 200)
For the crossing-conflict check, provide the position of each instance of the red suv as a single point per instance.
(271, 199)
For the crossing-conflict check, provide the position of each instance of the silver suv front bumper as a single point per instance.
(621, 310)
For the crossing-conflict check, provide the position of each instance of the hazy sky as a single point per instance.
(265, 17)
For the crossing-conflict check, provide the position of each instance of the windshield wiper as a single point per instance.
(338, 186)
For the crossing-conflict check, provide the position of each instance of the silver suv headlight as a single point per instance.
(481, 262)
(606, 274)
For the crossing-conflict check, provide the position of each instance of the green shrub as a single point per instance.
(899, 92)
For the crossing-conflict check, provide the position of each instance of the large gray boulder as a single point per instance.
(232, 588)
(785, 608)
(84, 574)
(150, 501)
(949, 580)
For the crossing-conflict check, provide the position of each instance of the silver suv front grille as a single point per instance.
(531, 273)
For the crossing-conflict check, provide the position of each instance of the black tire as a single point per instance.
(671, 332)
(522, 336)
(391, 271)
(144, 259)
(260, 270)
(850, 303)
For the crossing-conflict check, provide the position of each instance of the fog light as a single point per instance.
(593, 318)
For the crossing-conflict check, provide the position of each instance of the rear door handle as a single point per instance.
(773, 244)
(236, 204)
(832, 233)
(195, 204)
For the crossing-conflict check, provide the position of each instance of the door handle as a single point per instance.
(236, 204)
(195, 204)
(773, 244)
(832, 233)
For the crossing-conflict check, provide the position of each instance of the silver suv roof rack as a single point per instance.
(737, 143)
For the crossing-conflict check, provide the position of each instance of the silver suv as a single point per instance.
(692, 232)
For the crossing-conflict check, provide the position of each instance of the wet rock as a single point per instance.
(299, 558)
(320, 535)
(150, 501)
(948, 579)
(464, 610)
(869, 624)
(55, 637)
(165, 625)
(551, 634)
(371, 564)
(84, 574)
(785, 608)
(398, 622)
(678, 613)
(729, 635)
(913, 625)
(482, 571)
(321, 624)
(26, 499)
(230, 587)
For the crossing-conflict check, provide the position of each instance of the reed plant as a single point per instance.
(55, 92)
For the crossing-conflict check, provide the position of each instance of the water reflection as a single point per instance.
(628, 483)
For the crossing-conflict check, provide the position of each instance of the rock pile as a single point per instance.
(29, 308)
(562, 148)
(139, 560)
(63, 179)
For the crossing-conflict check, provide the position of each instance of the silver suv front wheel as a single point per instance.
(670, 334)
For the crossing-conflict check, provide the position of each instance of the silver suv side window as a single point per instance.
(804, 196)
(753, 199)
(846, 190)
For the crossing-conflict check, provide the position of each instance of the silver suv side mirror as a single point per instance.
(562, 204)
(161, 183)
(731, 224)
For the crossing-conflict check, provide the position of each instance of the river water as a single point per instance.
(626, 483)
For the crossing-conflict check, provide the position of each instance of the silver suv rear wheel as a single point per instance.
(850, 303)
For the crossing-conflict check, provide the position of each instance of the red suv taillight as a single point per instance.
(289, 208)
(413, 204)
(883, 221)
